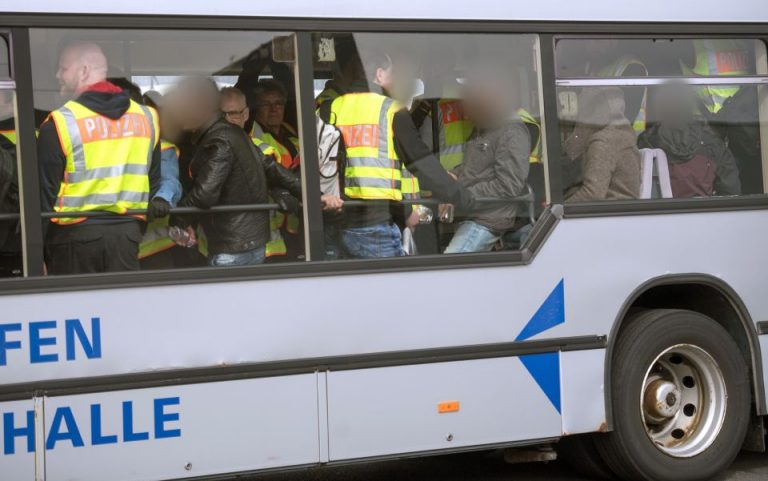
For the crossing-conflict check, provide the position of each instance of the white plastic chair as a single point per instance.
(654, 180)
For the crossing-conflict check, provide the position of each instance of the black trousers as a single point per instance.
(93, 247)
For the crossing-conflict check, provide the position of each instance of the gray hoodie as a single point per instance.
(496, 166)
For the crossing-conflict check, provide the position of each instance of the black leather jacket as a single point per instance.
(228, 169)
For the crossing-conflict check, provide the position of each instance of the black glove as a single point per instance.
(286, 203)
(158, 208)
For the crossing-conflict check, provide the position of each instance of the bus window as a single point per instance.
(95, 147)
(10, 227)
(411, 107)
(661, 118)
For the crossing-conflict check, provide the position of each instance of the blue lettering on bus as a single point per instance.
(162, 417)
(63, 415)
(11, 432)
(36, 341)
(5, 344)
(66, 429)
(97, 437)
(128, 433)
(43, 340)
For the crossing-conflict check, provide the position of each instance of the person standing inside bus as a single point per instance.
(496, 161)
(99, 152)
(157, 250)
(227, 169)
(276, 138)
(381, 141)
(234, 106)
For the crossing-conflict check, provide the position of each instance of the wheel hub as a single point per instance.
(683, 401)
(661, 400)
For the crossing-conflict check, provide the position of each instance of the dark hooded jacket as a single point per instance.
(683, 141)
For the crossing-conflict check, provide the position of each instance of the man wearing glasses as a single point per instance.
(234, 106)
(275, 137)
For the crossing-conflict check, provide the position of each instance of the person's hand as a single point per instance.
(445, 213)
(286, 203)
(332, 203)
(158, 208)
(192, 237)
(454, 176)
(413, 220)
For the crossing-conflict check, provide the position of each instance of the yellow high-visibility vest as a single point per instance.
(724, 57)
(107, 161)
(269, 145)
(373, 170)
(454, 131)
(617, 69)
(156, 237)
(529, 119)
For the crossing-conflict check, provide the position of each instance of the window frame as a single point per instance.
(548, 32)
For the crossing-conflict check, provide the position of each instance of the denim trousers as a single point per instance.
(472, 237)
(247, 258)
(380, 240)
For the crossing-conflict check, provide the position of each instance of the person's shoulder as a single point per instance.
(513, 129)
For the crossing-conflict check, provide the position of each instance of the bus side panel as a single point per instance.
(404, 409)
(17, 460)
(764, 355)
(582, 374)
(183, 431)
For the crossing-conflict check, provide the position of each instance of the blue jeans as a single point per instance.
(472, 237)
(380, 240)
(247, 258)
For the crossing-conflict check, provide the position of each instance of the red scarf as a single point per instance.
(103, 87)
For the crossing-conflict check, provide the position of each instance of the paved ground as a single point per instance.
(749, 467)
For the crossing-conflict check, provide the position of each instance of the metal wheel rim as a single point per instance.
(683, 401)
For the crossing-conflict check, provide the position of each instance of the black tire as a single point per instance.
(579, 452)
(628, 449)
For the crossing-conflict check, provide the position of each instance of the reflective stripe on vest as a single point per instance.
(455, 130)
(10, 135)
(269, 145)
(373, 170)
(721, 57)
(529, 119)
(617, 69)
(107, 161)
(156, 237)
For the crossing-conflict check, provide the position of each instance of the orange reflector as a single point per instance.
(448, 407)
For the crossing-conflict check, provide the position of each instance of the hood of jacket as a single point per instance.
(679, 141)
(106, 99)
(598, 108)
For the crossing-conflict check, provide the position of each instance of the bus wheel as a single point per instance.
(579, 452)
(680, 398)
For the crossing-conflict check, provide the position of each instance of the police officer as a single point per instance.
(380, 139)
(715, 57)
(275, 137)
(98, 152)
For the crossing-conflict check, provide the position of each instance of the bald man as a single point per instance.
(99, 152)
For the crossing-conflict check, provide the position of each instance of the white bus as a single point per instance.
(629, 333)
